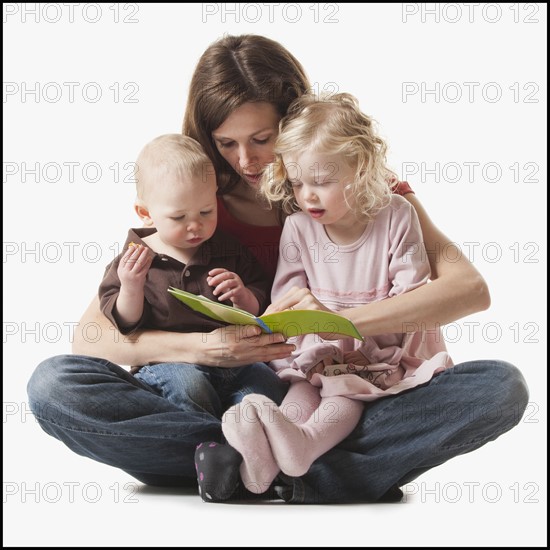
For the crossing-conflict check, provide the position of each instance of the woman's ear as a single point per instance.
(143, 212)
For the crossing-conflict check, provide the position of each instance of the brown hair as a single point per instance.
(232, 71)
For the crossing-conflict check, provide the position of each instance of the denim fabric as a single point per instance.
(210, 389)
(101, 411)
(403, 436)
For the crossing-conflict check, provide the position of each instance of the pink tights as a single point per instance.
(288, 438)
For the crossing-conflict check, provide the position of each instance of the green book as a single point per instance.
(292, 322)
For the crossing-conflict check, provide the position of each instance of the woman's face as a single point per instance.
(246, 139)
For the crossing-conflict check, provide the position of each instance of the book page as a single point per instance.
(215, 310)
(295, 322)
(292, 322)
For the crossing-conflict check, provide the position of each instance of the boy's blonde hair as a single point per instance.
(170, 154)
(332, 125)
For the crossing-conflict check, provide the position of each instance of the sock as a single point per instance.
(300, 402)
(288, 441)
(217, 471)
(296, 446)
(244, 432)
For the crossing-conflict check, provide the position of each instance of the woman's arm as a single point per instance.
(224, 347)
(456, 289)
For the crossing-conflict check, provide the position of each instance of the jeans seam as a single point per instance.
(371, 419)
(80, 430)
(494, 435)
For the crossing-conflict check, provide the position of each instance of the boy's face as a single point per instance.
(184, 210)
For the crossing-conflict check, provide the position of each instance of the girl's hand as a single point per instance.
(356, 357)
(134, 266)
(319, 368)
(301, 298)
(296, 298)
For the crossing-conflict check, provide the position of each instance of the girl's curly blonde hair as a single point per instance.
(331, 125)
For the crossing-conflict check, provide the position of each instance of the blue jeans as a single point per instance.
(128, 425)
(210, 389)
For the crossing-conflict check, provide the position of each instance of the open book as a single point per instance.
(291, 322)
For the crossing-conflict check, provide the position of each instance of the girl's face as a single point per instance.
(319, 183)
(246, 139)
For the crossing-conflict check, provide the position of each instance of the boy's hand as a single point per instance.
(133, 267)
(228, 285)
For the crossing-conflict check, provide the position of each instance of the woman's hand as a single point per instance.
(231, 346)
(296, 298)
(238, 345)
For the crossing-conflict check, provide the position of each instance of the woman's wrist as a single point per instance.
(359, 317)
(168, 347)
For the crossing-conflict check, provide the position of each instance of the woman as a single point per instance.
(241, 88)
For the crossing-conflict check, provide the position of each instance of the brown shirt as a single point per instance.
(163, 311)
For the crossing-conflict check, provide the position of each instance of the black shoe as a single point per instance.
(393, 494)
(283, 487)
(218, 472)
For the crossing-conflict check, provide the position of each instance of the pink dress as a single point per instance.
(263, 241)
(388, 259)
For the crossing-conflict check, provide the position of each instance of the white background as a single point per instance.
(495, 496)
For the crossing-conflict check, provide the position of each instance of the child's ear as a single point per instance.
(143, 212)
